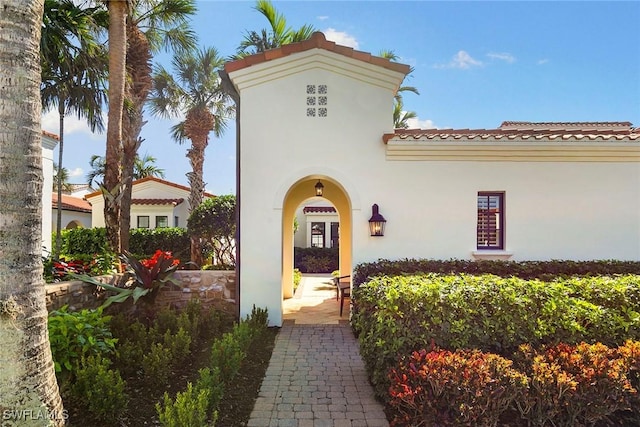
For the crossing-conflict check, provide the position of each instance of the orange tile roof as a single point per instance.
(157, 202)
(51, 135)
(318, 209)
(70, 203)
(154, 179)
(604, 131)
(316, 41)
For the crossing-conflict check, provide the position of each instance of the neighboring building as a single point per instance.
(523, 191)
(155, 203)
(49, 142)
(75, 212)
(318, 226)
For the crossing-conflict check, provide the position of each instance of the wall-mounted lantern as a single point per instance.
(319, 189)
(376, 222)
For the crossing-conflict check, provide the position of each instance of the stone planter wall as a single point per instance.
(212, 288)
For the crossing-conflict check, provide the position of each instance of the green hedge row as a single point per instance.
(143, 242)
(316, 260)
(397, 315)
(543, 270)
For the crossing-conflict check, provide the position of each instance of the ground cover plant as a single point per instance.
(170, 370)
(421, 334)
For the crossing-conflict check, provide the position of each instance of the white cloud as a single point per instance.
(543, 61)
(416, 123)
(503, 56)
(76, 172)
(341, 38)
(461, 60)
(50, 122)
(322, 18)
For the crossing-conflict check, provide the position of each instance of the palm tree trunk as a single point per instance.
(196, 183)
(56, 250)
(27, 378)
(112, 179)
(139, 71)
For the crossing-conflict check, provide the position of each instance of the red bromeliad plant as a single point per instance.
(153, 272)
(143, 278)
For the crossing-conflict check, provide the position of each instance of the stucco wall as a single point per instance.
(579, 208)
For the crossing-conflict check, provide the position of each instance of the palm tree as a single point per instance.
(151, 26)
(60, 180)
(27, 377)
(73, 70)
(142, 168)
(400, 117)
(197, 93)
(279, 34)
(118, 11)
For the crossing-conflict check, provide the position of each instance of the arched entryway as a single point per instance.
(300, 192)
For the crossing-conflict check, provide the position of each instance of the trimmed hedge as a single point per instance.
(143, 242)
(397, 315)
(543, 270)
(316, 260)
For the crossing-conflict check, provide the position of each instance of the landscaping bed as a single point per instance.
(167, 368)
(460, 349)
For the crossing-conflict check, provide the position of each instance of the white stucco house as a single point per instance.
(75, 212)
(318, 226)
(48, 142)
(155, 203)
(521, 191)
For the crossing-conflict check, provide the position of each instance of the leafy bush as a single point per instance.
(83, 241)
(398, 315)
(143, 242)
(100, 390)
(188, 410)
(316, 260)
(543, 270)
(580, 384)
(156, 365)
(178, 344)
(214, 221)
(561, 385)
(465, 387)
(76, 335)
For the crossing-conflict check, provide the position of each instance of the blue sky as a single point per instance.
(476, 64)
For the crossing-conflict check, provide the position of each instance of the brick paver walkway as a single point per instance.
(316, 378)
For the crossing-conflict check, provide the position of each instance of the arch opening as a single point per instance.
(304, 191)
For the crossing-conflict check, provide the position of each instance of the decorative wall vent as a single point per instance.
(317, 100)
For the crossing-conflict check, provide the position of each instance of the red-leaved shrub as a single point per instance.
(443, 388)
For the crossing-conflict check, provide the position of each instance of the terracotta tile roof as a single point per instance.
(317, 41)
(51, 135)
(577, 131)
(154, 179)
(157, 202)
(318, 209)
(70, 203)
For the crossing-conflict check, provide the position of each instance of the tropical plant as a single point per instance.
(279, 34)
(215, 222)
(142, 167)
(400, 116)
(149, 276)
(112, 188)
(61, 180)
(197, 92)
(151, 26)
(73, 70)
(28, 383)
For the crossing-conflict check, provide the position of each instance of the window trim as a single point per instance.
(499, 226)
(166, 218)
(139, 217)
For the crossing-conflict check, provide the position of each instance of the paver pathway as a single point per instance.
(316, 378)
